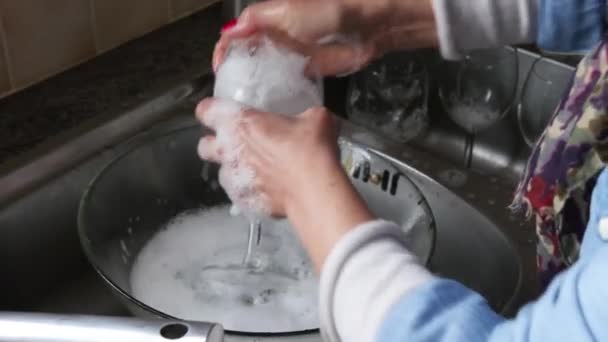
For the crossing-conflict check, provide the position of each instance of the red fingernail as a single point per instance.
(227, 26)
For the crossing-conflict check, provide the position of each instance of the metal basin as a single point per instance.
(477, 241)
(126, 209)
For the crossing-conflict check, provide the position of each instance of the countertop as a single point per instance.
(104, 86)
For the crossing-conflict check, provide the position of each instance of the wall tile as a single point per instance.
(45, 37)
(181, 8)
(5, 83)
(117, 21)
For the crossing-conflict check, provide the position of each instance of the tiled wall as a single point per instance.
(39, 38)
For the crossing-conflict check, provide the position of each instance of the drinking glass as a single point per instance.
(539, 99)
(479, 91)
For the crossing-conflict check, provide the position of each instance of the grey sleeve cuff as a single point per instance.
(465, 25)
(365, 274)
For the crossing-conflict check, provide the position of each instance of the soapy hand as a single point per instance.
(267, 158)
(340, 36)
(291, 166)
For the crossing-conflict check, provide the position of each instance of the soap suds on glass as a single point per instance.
(256, 73)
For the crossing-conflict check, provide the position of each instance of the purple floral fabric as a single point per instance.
(560, 175)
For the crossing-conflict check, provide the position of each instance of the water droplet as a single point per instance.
(491, 202)
(256, 263)
(124, 248)
(471, 195)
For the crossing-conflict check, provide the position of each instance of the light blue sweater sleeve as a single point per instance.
(567, 26)
(573, 308)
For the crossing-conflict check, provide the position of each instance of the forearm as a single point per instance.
(372, 289)
(326, 208)
(366, 273)
(570, 26)
(465, 25)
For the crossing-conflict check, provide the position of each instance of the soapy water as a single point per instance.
(192, 269)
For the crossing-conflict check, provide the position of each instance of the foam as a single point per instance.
(192, 269)
(267, 77)
(235, 175)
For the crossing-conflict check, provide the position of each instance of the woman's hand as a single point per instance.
(353, 32)
(296, 165)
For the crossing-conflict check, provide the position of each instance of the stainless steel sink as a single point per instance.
(499, 150)
(478, 242)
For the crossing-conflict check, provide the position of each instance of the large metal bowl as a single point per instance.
(134, 196)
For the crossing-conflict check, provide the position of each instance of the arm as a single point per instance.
(378, 292)
(464, 25)
(374, 28)
(570, 26)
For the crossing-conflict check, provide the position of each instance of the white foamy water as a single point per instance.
(193, 269)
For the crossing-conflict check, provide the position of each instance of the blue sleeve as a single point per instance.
(567, 26)
(574, 308)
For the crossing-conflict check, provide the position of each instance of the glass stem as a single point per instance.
(254, 238)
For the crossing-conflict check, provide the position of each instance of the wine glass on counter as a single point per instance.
(541, 94)
(390, 97)
(479, 91)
